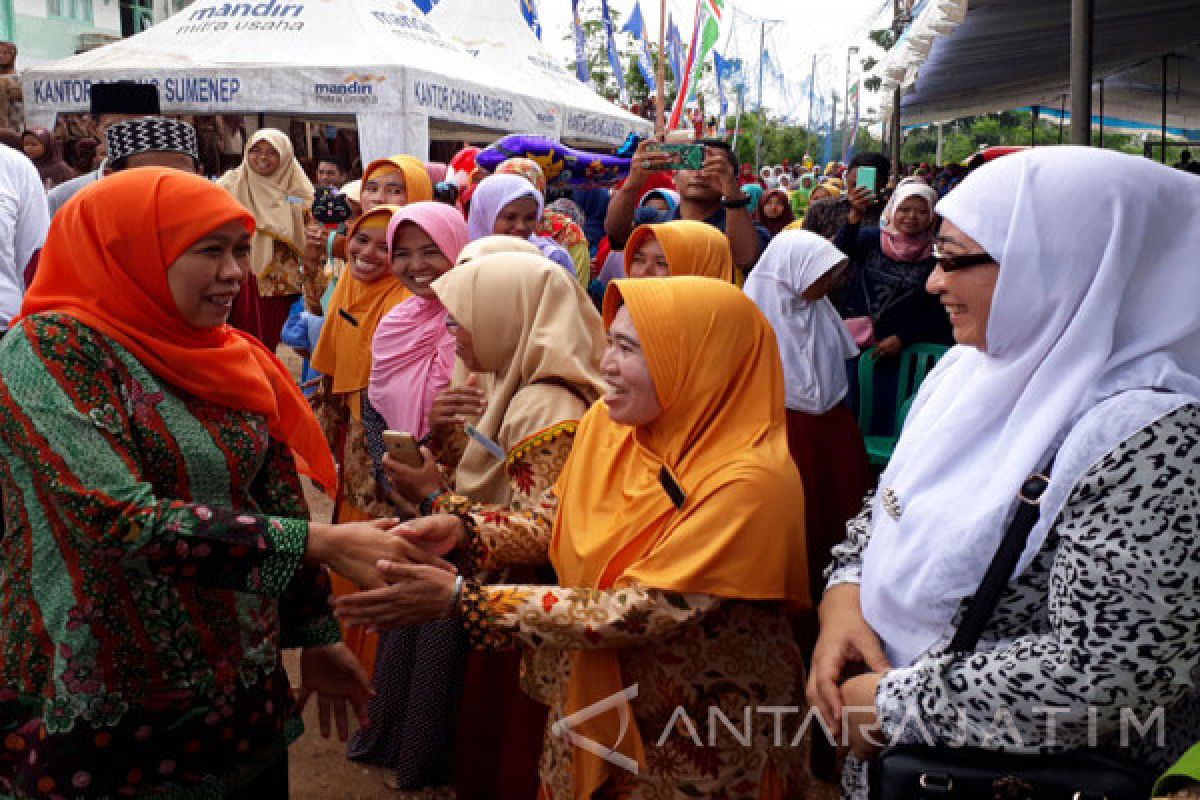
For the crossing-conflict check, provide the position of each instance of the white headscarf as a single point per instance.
(1094, 334)
(813, 340)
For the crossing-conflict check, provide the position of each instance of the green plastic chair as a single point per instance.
(916, 361)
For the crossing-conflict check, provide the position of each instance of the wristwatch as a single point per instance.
(740, 202)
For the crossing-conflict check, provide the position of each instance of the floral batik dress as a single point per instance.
(687, 653)
(150, 574)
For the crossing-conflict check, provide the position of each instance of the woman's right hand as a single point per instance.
(453, 407)
(845, 639)
(315, 236)
(437, 534)
(354, 550)
(861, 200)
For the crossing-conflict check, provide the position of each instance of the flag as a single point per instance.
(674, 49)
(637, 27)
(724, 69)
(614, 57)
(581, 59)
(530, 12)
(426, 5)
(704, 35)
(850, 136)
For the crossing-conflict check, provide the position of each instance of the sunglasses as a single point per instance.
(951, 263)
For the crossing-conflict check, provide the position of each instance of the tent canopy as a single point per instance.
(380, 60)
(960, 58)
(496, 33)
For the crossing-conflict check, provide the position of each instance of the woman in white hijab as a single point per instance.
(789, 285)
(1071, 282)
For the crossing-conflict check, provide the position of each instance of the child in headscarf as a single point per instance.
(272, 185)
(509, 205)
(45, 152)
(789, 285)
(775, 212)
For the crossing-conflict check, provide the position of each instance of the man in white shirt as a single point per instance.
(24, 221)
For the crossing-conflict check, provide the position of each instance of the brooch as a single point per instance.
(891, 504)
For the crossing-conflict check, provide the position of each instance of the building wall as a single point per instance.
(40, 37)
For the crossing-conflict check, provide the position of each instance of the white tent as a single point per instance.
(379, 60)
(496, 33)
(963, 57)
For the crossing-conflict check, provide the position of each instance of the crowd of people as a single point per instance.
(636, 496)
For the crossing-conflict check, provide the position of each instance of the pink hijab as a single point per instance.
(899, 246)
(412, 355)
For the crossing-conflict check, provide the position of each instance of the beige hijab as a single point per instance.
(538, 335)
(278, 202)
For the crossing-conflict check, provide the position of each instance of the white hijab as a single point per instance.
(1094, 334)
(813, 340)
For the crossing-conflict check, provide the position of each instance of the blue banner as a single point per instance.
(675, 49)
(425, 5)
(530, 12)
(724, 68)
(581, 59)
(637, 27)
(614, 57)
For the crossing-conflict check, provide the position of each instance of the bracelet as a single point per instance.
(457, 596)
(426, 505)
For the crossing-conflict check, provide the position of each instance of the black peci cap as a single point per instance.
(125, 97)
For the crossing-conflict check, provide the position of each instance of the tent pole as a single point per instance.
(1033, 121)
(1083, 14)
(1102, 112)
(1162, 154)
(660, 118)
(1062, 115)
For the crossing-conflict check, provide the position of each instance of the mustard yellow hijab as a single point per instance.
(721, 435)
(534, 329)
(277, 201)
(691, 248)
(417, 185)
(344, 350)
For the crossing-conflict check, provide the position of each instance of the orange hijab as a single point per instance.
(417, 185)
(105, 263)
(691, 248)
(721, 434)
(344, 349)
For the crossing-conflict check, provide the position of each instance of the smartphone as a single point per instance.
(868, 177)
(403, 448)
(687, 156)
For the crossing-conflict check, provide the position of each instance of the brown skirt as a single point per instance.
(829, 453)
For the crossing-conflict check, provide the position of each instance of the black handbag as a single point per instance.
(921, 772)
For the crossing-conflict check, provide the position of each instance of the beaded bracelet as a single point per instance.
(426, 505)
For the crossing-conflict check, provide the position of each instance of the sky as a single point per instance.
(805, 28)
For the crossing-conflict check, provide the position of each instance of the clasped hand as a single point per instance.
(419, 590)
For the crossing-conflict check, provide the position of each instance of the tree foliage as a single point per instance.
(964, 136)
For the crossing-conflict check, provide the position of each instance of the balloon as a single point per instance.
(459, 170)
(564, 166)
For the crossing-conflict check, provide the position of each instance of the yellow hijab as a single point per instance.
(344, 349)
(278, 201)
(534, 329)
(691, 248)
(721, 435)
(417, 185)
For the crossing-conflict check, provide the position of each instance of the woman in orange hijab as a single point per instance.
(676, 531)
(682, 247)
(366, 291)
(157, 554)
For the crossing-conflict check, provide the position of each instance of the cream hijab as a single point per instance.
(536, 332)
(278, 202)
(1092, 337)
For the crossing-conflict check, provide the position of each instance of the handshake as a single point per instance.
(400, 567)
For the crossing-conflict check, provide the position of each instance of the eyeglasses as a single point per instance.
(951, 263)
